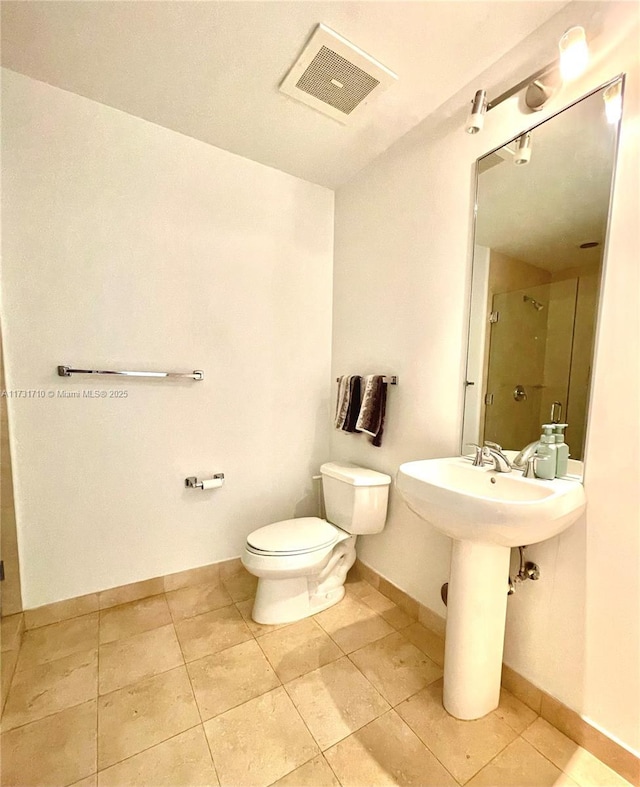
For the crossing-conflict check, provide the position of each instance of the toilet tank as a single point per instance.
(355, 498)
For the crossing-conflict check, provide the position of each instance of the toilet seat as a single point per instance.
(294, 537)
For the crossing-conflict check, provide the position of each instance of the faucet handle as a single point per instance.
(530, 470)
(478, 460)
(491, 444)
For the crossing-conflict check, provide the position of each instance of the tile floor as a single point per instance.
(183, 689)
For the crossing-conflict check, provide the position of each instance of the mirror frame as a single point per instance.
(605, 251)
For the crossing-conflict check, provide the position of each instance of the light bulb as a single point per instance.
(478, 109)
(574, 53)
(523, 150)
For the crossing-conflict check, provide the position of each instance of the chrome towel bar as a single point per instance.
(393, 380)
(197, 374)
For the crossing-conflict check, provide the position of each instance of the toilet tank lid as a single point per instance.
(352, 474)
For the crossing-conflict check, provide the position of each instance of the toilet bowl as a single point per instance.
(302, 564)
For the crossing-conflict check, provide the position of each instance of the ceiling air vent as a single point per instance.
(335, 77)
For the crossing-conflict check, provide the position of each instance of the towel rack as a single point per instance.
(67, 371)
(392, 380)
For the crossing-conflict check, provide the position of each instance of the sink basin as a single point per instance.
(485, 513)
(479, 504)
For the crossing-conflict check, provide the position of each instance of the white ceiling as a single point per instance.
(211, 70)
(542, 211)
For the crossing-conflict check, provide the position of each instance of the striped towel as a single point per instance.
(342, 403)
(348, 402)
(372, 410)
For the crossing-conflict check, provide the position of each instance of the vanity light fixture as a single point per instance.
(523, 150)
(574, 53)
(542, 84)
(475, 120)
(612, 97)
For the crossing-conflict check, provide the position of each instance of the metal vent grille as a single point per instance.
(336, 81)
(335, 77)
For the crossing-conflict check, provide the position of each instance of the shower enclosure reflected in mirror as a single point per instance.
(537, 270)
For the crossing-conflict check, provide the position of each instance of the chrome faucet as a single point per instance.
(522, 459)
(491, 452)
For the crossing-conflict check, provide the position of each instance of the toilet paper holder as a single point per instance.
(193, 483)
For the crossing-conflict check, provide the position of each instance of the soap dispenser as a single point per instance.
(562, 450)
(545, 467)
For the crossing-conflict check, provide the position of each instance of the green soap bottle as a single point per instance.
(562, 450)
(545, 467)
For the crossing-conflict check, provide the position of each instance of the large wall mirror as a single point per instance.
(541, 222)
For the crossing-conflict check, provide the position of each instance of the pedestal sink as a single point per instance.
(485, 513)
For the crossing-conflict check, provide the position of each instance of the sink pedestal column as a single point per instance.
(476, 616)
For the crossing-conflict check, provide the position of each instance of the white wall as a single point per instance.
(130, 246)
(401, 284)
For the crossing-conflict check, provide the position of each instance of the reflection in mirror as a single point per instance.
(542, 212)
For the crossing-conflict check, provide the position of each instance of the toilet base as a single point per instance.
(287, 600)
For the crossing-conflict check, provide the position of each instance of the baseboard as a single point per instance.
(549, 708)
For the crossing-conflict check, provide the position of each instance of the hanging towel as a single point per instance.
(342, 403)
(372, 410)
(353, 410)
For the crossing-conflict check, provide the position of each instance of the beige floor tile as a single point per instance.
(57, 750)
(260, 741)
(430, 643)
(193, 576)
(520, 765)
(50, 688)
(240, 585)
(386, 608)
(515, 713)
(257, 629)
(576, 762)
(315, 773)
(8, 663)
(386, 752)
(226, 679)
(132, 719)
(61, 610)
(130, 660)
(212, 632)
(123, 594)
(352, 624)
(463, 747)
(58, 640)
(196, 600)
(395, 667)
(183, 761)
(133, 618)
(376, 600)
(298, 649)
(335, 701)
(90, 781)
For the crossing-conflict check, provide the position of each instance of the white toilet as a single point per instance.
(302, 564)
